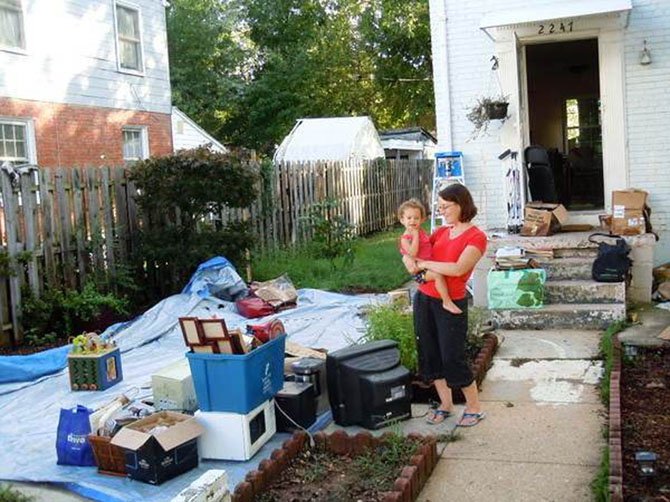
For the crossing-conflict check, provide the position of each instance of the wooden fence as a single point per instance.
(58, 225)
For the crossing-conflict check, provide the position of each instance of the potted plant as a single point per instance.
(487, 109)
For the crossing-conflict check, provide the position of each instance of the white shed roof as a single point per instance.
(332, 138)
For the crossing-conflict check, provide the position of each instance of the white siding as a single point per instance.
(70, 57)
(186, 134)
(647, 107)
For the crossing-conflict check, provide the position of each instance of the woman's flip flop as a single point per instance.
(438, 416)
(471, 419)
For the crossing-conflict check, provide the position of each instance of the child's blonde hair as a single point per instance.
(412, 204)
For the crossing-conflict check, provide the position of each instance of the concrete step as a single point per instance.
(572, 316)
(576, 253)
(576, 268)
(584, 291)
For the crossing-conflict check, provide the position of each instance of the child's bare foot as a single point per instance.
(450, 306)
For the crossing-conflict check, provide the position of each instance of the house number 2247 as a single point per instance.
(548, 29)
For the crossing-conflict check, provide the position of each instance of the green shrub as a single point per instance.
(333, 235)
(393, 322)
(181, 198)
(57, 314)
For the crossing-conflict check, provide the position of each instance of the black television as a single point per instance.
(368, 386)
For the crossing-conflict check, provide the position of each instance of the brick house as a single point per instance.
(585, 79)
(83, 82)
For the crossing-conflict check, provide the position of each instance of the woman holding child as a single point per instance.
(441, 331)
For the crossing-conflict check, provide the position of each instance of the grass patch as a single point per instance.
(600, 484)
(607, 354)
(9, 494)
(376, 267)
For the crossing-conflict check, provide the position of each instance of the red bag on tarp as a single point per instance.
(253, 306)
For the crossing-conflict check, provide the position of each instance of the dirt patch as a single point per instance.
(326, 476)
(645, 412)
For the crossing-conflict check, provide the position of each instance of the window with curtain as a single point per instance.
(128, 38)
(134, 144)
(11, 25)
(14, 142)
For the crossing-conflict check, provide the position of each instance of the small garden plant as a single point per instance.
(395, 322)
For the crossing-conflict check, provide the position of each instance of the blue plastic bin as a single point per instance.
(238, 383)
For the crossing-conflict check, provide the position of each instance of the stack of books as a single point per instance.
(513, 258)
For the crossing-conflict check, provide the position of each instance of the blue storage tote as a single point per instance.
(238, 383)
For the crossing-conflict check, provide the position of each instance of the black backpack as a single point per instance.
(612, 263)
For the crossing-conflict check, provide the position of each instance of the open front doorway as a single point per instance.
(564, 117)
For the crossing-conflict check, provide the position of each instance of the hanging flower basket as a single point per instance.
(485, 110)
(496, 110)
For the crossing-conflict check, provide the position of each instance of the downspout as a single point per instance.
(440, 52)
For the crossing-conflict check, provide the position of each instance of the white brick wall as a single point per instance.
(647, 110)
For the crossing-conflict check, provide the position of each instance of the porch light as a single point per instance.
(646, 463)
(645, 55)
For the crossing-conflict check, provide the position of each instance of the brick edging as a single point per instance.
(406, 487)
(615, 446)
(484, 357)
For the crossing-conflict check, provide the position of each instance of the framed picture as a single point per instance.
(214, 329)
(205, 349)
(191, 331)
(225, 346)
(237, 342)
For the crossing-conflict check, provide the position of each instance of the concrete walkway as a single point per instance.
(542, 437)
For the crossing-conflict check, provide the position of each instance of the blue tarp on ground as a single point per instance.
(30, 408)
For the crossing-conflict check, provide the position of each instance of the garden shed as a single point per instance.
(331, 138)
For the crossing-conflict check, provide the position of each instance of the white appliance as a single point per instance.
(235, 436)
(173, 387)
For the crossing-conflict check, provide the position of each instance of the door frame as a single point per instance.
(510, 46)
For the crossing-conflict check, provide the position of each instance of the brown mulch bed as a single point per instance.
(645, 412)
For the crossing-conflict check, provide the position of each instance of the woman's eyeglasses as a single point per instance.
(444, 207)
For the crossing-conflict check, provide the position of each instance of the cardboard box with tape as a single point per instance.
(542, 218)
(628, 208)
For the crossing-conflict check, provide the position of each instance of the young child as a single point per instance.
(416, 243)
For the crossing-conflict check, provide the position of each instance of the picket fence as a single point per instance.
(57, 225)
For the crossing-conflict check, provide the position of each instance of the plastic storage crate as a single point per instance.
(238, 383)
(95, 371)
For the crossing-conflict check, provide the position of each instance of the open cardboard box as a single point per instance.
(543, 218)
(628, 211)
(155, 458)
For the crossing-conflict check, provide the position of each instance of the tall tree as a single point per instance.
(247, 69)
(208, 59)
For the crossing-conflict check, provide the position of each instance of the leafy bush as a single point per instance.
(57, 314)
(181, 198)
(333, 235)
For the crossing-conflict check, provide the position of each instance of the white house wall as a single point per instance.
(187, 135)
(71, 57)
(647, 110)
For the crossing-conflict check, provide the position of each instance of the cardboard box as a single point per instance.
(541, 218)
(628, 211)
(156, 457)
(173, 388)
